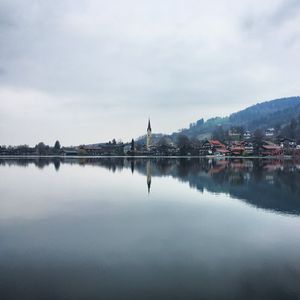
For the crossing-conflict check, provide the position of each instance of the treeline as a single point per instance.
(39, 149)
(267, 113)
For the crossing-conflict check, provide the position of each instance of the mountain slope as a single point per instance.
(262, 115)
(268, 113)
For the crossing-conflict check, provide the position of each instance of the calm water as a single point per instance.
(149, 229)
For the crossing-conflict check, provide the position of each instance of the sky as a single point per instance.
(90, 71)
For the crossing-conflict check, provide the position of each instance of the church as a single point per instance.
(149, 136)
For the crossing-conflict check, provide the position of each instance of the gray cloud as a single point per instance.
(80, 70)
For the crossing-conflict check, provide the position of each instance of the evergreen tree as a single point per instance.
(184, 144)
(132, 145)
(57, 146)
(219, 134)
(257, 140)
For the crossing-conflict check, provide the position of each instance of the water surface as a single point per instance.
(120, 228)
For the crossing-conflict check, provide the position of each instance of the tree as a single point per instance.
(132, 145)
(258, 140)
(219, 134)
(200, 122)
(56, 147)
(183, 144)
(196, 143)
(163, 141)
(42, 149)
(138, 146)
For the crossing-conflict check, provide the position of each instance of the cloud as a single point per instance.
(176, 61)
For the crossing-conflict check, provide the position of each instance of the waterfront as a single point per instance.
(124, 228)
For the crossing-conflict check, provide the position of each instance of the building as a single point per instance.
(237, 149)
(249, 148)
(270, 149)
(286, 143)
(234, 135)
(105, 149)
(247, 135)
(149, 136)
(212, 147)
(270, 132)
(69, 151)
(166, 150)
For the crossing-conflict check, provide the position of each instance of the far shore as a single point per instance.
(149, 156)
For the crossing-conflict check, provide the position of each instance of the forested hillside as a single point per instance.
(276, 113)
(267, 114)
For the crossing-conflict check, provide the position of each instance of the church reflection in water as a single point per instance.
(148, 172)
(265, 183)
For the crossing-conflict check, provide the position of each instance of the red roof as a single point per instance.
(271, 147)
(216, 143)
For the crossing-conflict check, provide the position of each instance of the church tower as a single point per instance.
(149, 135)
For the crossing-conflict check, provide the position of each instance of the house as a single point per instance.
(240, 148)
(249, 149)
(237, 150)
(286, 143)
(222, 152)
(103, 149)
(270, 149)
(93, 150)
(288, 146)
(247, 135)
(212, 147)
(166, 150)
(233, 134)
(69, 151)
(296, 151)
(270, 132)
(4, 151)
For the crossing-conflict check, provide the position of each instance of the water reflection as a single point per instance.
(91, 229)
(265, 183)
(148, 171)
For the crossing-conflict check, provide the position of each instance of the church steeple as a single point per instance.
(149, 126)
(149, 136)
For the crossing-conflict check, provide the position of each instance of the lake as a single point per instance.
(123, 228)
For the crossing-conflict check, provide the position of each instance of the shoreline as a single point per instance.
(149, 156)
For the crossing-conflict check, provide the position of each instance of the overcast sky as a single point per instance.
(89, 71)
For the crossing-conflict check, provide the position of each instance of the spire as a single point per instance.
(148, 136)
(149, 125)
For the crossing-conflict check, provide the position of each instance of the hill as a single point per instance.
(274, 113)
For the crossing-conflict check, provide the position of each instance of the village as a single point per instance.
(237, 144)
(245, 144)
